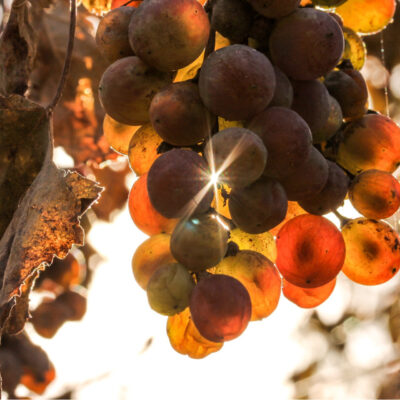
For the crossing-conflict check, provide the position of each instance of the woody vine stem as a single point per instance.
(67, 60)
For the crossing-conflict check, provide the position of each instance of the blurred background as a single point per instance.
(347, 348)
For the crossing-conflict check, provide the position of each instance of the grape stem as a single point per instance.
(67, 60)
(343, 220)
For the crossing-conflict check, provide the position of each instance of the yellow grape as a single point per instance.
(118, 135)
(263, 243)
(354, 48)
(259, 276)
(186, 339)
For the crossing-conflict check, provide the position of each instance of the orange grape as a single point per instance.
(311, 251)
(367, 16)
(375, 194)
(307, 298)
(143, 149)
(372, 251)
(371, 142)
(117, 134)
(259, 276)
(186, 339)
(142, 212)
(263, 243)
(152, 254)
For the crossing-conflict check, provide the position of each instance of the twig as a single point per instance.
(67, 60)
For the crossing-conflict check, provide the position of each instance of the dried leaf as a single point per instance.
(24, 139)
(17, 50)
(46, 224)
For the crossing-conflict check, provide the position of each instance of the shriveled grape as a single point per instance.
(186, 339)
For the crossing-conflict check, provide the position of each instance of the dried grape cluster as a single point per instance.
(246, 121)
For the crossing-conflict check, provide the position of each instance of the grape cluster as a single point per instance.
(246, 121)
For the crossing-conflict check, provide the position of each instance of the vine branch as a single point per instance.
(67, 60)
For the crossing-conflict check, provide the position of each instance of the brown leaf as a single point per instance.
(24, 139)
(17, 50)
(45, 224)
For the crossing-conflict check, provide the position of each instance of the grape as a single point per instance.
(306, 44)
(177, 183)
(169, 289)
(311, 251)
(283, 95)
(263, 243)
(232, 18)
(152, 254)
(348, 87)
(309, 178)
(127, 88)
(372, 251)
(274, 8)
(259, 276)
(375, 194)
(112, 34)
(258, 207)
(367, 16)
(332, 124)
(179, 116)
(237, 155)
(199, 242)
(236, 82)
(186, 339)
(293, 210)
(287, 138)
(337, 18)
(331, 196)
(328, 3)
(169, 34)
(354, 49)
(371, 142)
(142, 151)
(307, 298)
(260, 31)
(118, 135)
(220, 307)
(142, 212)
(311, 102)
